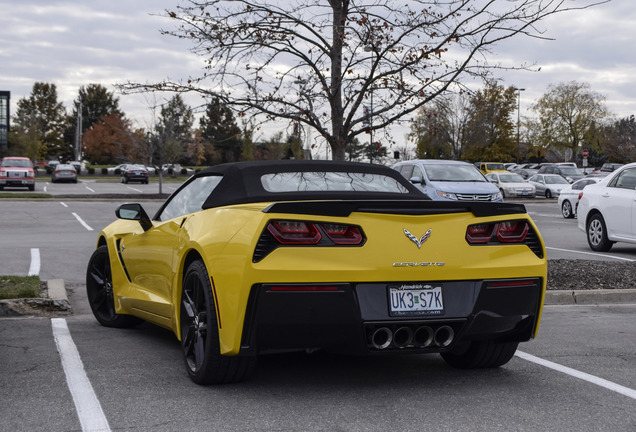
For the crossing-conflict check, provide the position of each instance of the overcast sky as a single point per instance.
(76, 43)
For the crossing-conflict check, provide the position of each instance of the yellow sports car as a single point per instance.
(250, 257)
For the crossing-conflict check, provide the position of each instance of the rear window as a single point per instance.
(330, 182)
(21, 163)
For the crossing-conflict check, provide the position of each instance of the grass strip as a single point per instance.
(14, 287)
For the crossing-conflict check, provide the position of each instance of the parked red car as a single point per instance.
(18, 172)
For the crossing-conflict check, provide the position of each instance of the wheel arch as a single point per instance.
(187, 258)
(590, 213)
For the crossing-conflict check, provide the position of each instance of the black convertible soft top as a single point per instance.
(242, 182)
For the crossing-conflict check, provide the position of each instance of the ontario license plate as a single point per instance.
(415, 299)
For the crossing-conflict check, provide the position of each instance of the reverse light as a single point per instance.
(512, 231)
(342, 234)
(480, 233)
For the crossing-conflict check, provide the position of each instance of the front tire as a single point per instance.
(200, 336)
(597, 234)
(99, 290)
(548, 194)
(480, 354)
(566, 210)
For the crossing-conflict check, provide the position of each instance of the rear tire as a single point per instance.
(200, 336)
(597, 234)
(99, 290)
(480, 354)
(548, 194)
(566, 210)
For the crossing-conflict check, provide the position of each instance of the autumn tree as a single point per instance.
(490, 129)
(112, 139)
(41, 119)
(569, 115)
(321, 62)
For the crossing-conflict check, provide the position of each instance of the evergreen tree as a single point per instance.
(220, 129)
(43, 119)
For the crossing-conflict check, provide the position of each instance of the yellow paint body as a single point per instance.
(225, 239)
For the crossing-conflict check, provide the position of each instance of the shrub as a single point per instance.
(104, 171)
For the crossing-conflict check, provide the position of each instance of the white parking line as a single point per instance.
(136, 190)
(89, 410)
(89, 189)
(34, 268)
(82, 222)
(625, 391)
(592, 253)
(63, 204)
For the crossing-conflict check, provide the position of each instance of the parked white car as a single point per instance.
(511, 185)
(569, 197)
(548, 185)
(606, 209)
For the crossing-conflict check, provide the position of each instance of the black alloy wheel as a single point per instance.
(200, 336)
(99, 290)
(480, 354)
(597, 234)
(566, 210)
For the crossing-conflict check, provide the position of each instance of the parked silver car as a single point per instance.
(511, 185)
(64, 172)
(548, 185)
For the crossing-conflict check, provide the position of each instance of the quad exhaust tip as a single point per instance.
(423, 336)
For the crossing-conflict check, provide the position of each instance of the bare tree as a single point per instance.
(345, 67)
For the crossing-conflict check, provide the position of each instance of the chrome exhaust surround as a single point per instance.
(402, 337)
(444, 336)
(423, 336)
(381, 338)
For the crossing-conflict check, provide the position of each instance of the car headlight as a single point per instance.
(447, 195)
(496, 196)
(511, 189)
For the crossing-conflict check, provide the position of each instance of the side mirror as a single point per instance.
(134, 211)
(415, 180)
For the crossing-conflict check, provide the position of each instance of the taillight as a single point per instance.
(282, 233)
(512, 231)
(294, 232)
(580, 195)
(498, 232)
(342, 234)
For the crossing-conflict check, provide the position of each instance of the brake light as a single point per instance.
(498, 232)
(342, 234)
(580, 195)
(512, 231)
(294, 232)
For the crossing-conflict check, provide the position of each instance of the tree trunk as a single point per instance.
(340, 12)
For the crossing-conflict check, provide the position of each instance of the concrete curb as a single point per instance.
(589, 297)
(54, 305)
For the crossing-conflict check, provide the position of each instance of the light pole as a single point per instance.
(519, 90)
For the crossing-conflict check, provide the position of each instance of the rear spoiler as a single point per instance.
(404, 207)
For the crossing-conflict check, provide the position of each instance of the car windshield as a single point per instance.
(555, 180)
(330, 181)
(571, 171)
(453, 173)
(495, 166)
(22, 163)
(511, 178)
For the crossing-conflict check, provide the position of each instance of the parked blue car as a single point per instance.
(449, 180)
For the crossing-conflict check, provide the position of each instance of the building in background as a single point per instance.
(5, 97)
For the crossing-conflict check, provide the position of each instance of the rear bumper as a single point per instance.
(355, 317)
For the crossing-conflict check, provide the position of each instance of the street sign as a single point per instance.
(585, 153)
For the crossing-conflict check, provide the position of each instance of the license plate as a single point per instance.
(415, 299)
